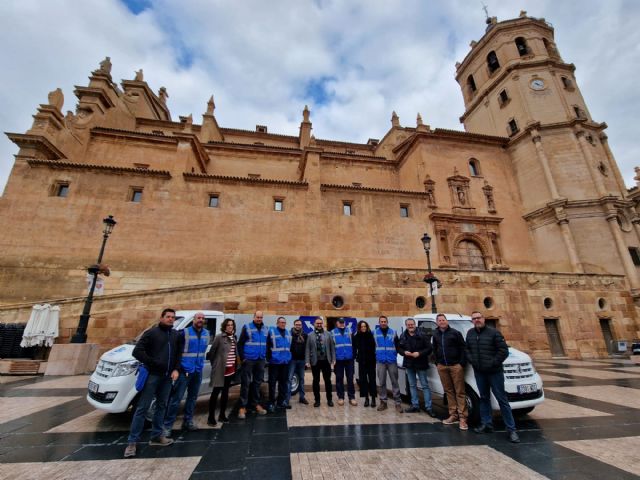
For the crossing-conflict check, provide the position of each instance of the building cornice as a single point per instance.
(149, 137)
(109, 169)
(38, 142)
(208, 178)
(352, 188)
(453, 217)
(351, 157)
(272, 149)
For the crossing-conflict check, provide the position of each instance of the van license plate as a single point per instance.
(530, 388)
(93, 387)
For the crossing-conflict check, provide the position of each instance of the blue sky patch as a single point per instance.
(137, 6)
(317, 90)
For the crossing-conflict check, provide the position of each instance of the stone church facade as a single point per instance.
(530, 218)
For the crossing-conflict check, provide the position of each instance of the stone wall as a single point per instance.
(517, 298)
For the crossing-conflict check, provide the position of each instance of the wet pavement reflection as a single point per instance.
(589, 427)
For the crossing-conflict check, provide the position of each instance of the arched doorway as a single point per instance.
(468, 255)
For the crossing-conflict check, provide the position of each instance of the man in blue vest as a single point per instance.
(279, 356)
(196, 340)
(252, 349)
(344, 362)
(386, 363)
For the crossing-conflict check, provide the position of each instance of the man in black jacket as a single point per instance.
(298, 348)
(486, 351)
(159, 350)
(415, 347)
(449, 346)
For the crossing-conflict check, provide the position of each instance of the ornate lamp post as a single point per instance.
(81, 332)
(429, 278)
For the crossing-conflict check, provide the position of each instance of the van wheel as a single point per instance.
(295, 383)
(473, 405)
(523, 411)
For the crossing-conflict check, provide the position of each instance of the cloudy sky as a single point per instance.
(352, 61)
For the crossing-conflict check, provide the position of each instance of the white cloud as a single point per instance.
(257, 58)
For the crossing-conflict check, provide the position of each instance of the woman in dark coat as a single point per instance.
(224, 362)
(364, 351)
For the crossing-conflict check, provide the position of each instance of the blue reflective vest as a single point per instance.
(280, 346)
(195, 349)
(385, 346)
(344, 349)
(255, 348)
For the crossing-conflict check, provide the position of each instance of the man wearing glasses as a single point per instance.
(486, 351)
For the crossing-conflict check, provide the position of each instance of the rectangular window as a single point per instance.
(346, 209)
(62, 190)
(404, 211)
(635, 255)
(213, 200)
(503, 98)
(278, 204)
(513, 127)
(135, 195)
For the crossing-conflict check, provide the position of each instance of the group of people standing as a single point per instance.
(175, 361)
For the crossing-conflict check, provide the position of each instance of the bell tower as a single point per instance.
(515, 84)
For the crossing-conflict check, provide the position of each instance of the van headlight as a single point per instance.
(125, 368)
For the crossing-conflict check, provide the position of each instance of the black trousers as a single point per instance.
(278, 374)
(367, 380)
(213, 399)
(324, 367)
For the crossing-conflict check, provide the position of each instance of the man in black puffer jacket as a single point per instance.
(486, 351)
(159, 350)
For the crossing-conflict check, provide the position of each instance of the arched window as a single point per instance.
(492, 61)
(521, 44)
(471, 83)
(474, 167)
(469, 256)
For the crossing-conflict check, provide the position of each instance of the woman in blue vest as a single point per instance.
(279, 356)
(344, 362)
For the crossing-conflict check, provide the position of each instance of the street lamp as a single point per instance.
(429, 278)
(81, 332)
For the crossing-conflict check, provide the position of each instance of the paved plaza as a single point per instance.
(588, 428)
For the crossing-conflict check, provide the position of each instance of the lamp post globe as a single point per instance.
(81, 332)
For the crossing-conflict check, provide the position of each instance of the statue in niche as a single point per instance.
(139, 76)
(105, 66)
(56, 99)
(462, 198)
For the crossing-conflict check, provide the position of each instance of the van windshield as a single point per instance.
(461, 325)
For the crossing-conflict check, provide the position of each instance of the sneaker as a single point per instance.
(353, 402)
(411, 409)
(513, 437)
(316, 403)
(399, 408)
(242, 413)
(130, 451)
(260, 410)
(304, 401)
(483, 429)
(451, 420)
(189, 427)
(383, 406)
(341, 401)
(222, 418)
(431, 413)
(161, 441)
(330, 403)
(212, 423)
(463, 424)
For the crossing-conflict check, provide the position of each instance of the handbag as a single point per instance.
(142, 374)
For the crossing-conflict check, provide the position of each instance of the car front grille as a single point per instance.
(518, 371)
(521, 397)
(100, 397)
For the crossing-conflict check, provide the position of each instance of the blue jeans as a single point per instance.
(297, 367)
(413, 387)
(493, 382)
(158, 387)
(342, 368)
(191, 383)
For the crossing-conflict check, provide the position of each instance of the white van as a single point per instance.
(522, 383)
(112, 385)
